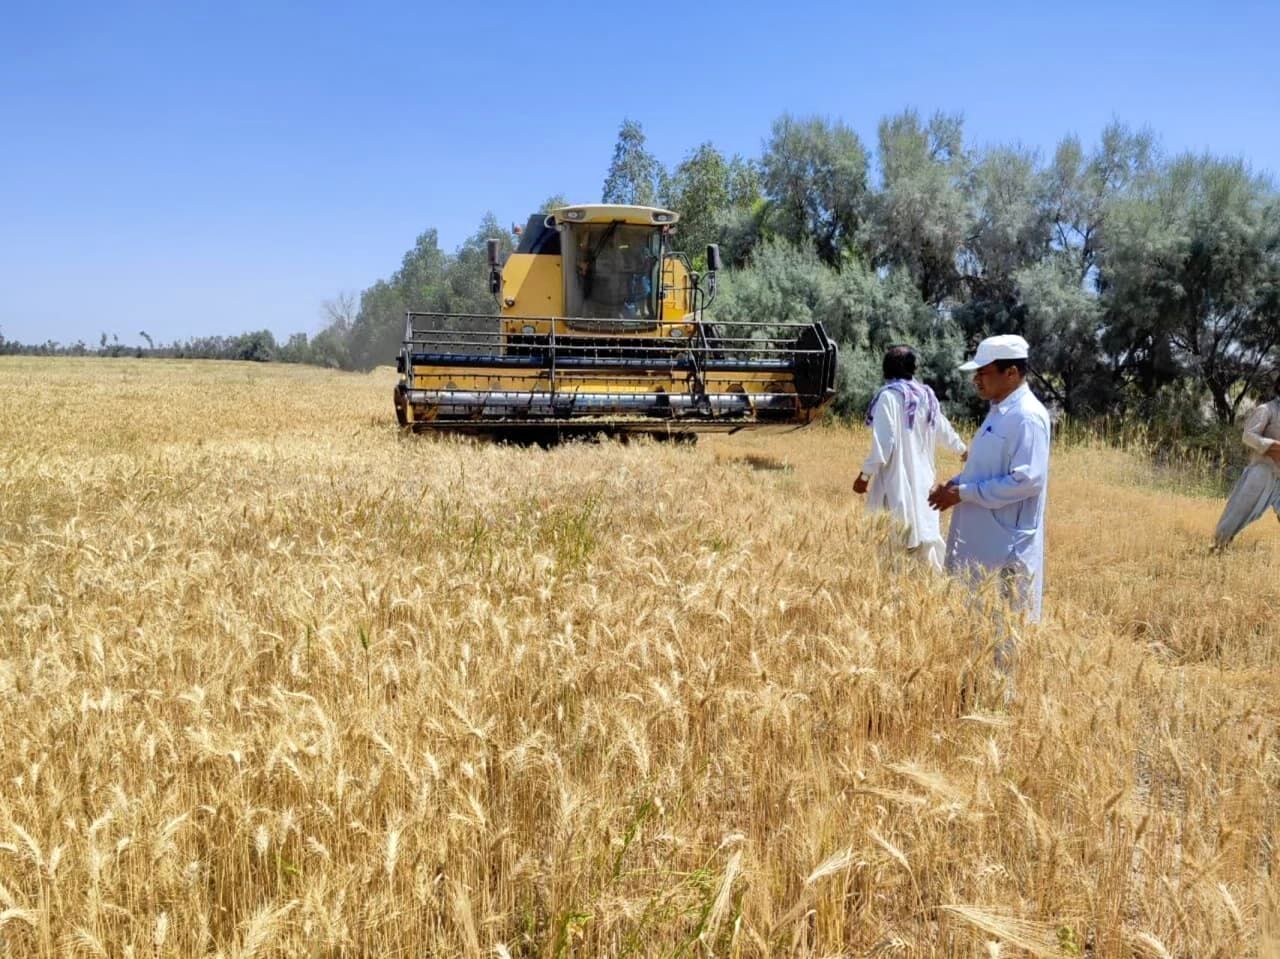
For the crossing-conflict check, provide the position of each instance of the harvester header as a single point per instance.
(603, 329)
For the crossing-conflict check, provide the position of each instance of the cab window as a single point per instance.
(617, 266)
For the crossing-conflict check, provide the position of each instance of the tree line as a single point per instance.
(258, 346)
(1148, 285)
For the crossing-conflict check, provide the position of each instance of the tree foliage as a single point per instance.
(815, 178)
(634, 174)
(919, 218)
(865, 311)
(1193, 278)
(699, 189)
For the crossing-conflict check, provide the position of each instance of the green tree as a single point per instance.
(784, 283)
(295, 350)
(378, 330)
(745, 182)
(863, 311)
(742, 225)
(1080, 190)
(919, 217)
(1010, 228)
(815, 178)
(420, 284)
(885, 309)
(1062, 320)
(634, 174)
(740, 231)
(698, 190)
(1191, 274)
(258, 347)
(468, 269)
(1061, 311)
(1008, 232)
(329, 348)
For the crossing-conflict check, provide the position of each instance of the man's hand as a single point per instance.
(1273, 452)
(860, 484)
(944, 497)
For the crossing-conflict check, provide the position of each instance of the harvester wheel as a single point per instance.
(402, 406)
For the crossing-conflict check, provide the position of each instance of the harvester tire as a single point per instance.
(402, 407)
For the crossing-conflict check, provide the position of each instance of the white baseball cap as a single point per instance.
(1006, 347)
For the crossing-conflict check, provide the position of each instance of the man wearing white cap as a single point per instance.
(1258, 488)
(999, 498)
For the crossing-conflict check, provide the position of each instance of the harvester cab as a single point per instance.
(602, 328)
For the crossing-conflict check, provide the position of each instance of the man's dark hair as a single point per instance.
(899, 363)
(1003, 365)
(1276, 388)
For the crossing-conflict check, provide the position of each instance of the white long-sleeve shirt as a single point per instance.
(998, 526)
(1262, 431)
(901, 465)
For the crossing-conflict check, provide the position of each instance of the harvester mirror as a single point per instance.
(713, 265)
(495, 271)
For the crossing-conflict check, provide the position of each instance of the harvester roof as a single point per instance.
(615, 212)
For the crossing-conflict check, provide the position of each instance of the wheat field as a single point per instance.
(277, 680)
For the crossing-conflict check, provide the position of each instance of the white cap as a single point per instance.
(1007, 347)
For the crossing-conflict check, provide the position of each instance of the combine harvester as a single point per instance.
(602, 331)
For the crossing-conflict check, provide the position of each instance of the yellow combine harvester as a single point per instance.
(602, 330)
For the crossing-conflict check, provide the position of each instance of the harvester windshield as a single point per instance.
(614, 271)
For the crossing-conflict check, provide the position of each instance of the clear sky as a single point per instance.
(194, 168)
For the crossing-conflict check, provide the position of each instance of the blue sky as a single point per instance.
(196, 168)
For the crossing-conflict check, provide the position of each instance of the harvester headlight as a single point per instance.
(574, 214)
(527, 329)
(662, 218)
(679, 331)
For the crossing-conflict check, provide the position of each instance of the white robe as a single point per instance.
(998, 526)
(1258, 488)
(901, 467)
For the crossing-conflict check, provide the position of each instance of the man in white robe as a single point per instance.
(999, 498)
(906, 425)
(1258, 488)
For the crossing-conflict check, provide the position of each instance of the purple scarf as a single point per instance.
(913, 394)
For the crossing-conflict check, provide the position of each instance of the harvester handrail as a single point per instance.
(620, 321)
(586, 342)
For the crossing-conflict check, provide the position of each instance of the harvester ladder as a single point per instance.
(689, 293)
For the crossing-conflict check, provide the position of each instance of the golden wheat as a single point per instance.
(278, 680)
